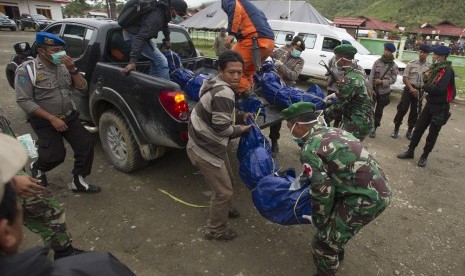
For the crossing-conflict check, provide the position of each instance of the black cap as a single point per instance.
(289, 37)
(299, 42)
(180, 6)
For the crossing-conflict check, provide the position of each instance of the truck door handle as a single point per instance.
(322, 55)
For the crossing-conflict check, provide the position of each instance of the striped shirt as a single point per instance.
(211, 123)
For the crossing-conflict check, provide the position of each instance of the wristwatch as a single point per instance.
(74, 71)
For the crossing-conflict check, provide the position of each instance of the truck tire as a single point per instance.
(13, 29)
(118, 142)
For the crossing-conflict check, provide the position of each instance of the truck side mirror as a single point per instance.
(22, 48)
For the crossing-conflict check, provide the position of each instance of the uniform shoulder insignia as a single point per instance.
(308, 170)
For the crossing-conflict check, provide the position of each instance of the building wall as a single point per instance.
(29, 6)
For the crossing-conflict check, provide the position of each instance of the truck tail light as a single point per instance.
(174, 102)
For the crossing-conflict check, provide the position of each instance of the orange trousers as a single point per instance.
(244, 47)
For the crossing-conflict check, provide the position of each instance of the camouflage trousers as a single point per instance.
(344, 222)
(44, 216)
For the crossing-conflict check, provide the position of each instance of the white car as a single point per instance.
(320, 40)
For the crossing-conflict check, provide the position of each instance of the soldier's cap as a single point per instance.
(441, 50)
(390, 47)
(425, 48)
(289, 37)
(180, 6)
(48, 39)
(299, 42)
(13, 157)
(345, 49)
(298, 109)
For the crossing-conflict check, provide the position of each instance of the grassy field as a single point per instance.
(205, 46)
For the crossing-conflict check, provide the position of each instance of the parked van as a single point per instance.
(320, 40)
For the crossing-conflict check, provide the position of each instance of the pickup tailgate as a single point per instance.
(136, 97)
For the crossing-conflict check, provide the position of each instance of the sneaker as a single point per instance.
(233, 213)
(69, 251)
(408, 154)
(38, 174)
(79, 185)
(228, 235)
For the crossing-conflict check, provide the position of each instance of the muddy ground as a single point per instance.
(421, 233)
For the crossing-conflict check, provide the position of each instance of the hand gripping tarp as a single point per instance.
(283, 200)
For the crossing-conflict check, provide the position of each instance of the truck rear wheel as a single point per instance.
(118, 142)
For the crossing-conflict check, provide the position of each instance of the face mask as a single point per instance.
(178, 19)
(299, 140)
(296, 53)
(56, 57)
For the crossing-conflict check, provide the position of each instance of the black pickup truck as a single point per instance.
(34, 21)
(138, 116)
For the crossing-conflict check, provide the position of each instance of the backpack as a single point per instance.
(133, 11)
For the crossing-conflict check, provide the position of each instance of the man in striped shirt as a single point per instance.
(211, 126)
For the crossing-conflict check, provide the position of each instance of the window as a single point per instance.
(76, 38)
(309, 40)
(330, 43)
(55, 29)
(179, 43)
(45, 12)
(280, 36)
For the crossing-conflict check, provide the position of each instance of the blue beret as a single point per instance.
(390, 46)
(425, 48)
(441, 50)
(298, 109)
(49, 39)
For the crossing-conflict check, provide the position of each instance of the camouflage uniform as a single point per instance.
(348, 190)
(43, 214)
(354, 103)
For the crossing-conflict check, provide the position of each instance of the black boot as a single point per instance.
(38, 174)
(274, 147)
(373, 133)
(409, 133)
(69, 251)
(395, 133)
(406, 155)
(423, 160)
(79, 185)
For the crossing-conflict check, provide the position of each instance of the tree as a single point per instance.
(76, 8)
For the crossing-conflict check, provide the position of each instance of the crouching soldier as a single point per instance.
(348, 188)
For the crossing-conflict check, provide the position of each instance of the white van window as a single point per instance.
(309, 40)
(280, 36)
(329, 44)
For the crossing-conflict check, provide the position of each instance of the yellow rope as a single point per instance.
(182, 201)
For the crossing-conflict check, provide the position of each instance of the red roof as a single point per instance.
(442, 28)
(366, 23)
(348, 21)
(376, 24)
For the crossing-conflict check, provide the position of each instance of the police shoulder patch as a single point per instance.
(308, 170)
(22, 79)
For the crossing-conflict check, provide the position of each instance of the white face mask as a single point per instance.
(345, 66)
(319, 119)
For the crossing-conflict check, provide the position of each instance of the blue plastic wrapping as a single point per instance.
(174, 60)
(276, 201)
(251, 104)
(255, 165)
(182, 76)
(251, 140)
(193, 87)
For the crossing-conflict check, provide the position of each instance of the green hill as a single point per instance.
(409, 13)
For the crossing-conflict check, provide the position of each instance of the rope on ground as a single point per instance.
(182, 201)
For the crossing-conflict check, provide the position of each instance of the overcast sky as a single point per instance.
(196, 3)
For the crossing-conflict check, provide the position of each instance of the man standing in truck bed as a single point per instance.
(245, 22)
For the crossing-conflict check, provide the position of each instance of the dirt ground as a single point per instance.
(421, 233)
